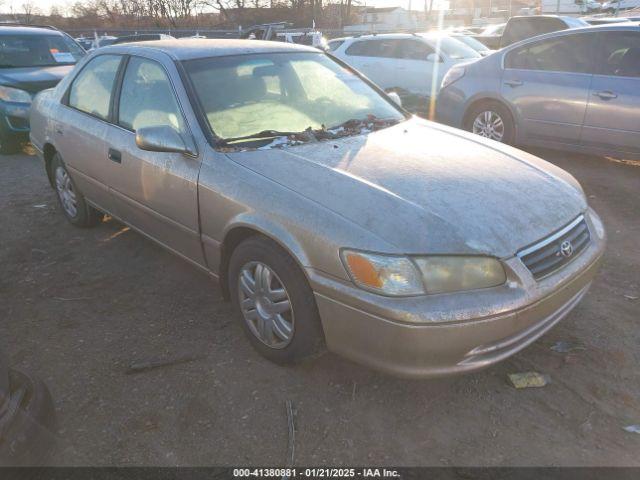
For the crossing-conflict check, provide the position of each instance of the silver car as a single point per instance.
(331, 218)
(575, 90)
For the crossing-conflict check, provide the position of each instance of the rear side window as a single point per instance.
(91, 90)
(147, 98)
(620, 54)
(568, 53)
(373, 48)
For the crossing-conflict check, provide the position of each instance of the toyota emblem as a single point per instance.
(566, 249)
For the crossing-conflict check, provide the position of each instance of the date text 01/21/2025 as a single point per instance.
(320, 472)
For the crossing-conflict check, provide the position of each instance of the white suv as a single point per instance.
(404, 62)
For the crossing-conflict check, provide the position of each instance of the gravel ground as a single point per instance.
(78, 307)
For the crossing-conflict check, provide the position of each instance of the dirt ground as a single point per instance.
(79, 307)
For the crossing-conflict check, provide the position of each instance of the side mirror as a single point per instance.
(433, 57)
(160, 139)
(395, 97)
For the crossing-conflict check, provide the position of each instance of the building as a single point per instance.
(387, 19)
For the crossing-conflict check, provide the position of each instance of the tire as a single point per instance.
(8, 144)
(28, 434)
(479, 112)
(305, 338)
(73, 204)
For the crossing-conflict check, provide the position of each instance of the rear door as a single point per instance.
(547, 84)
(82, 128)
(612, 121)
(376, 59)
(157, 192)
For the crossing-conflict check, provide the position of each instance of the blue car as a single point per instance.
(31, 59)
(573, 90)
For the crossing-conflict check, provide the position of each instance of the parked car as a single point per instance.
(604, 20)
(562, 7)
(620, 5)
(490, 35)
(477, 45)
(104, 41)
(142, 37)
(411, 64)
(329, 215)
(576, 89)
(521, 28)
(31, 59)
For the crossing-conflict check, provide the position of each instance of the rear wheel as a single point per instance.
(274, 302)
(491, 120)
(74, 205)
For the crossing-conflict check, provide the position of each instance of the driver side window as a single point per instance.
(147, 98)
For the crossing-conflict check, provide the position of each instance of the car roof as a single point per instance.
(625, 26)
(23, 30)
(191, 49)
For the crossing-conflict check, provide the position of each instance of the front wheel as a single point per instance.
(491, 120)
(274, 303)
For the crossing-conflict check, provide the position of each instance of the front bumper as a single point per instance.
(438, 335)
(14, 119)
(450, 106)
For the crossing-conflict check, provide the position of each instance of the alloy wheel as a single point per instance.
(65, 191)
(265, 305)
(489, 124)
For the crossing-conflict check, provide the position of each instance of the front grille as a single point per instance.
(557, 250)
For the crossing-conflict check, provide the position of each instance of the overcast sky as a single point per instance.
(45, 5)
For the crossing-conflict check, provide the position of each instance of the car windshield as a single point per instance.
(497, 29)
(452, 47)
(292, 97)
(38, 51)
(473, 43)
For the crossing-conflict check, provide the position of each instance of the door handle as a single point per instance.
(114, 155)
(59, 131)
(606, 95)
(513, 83)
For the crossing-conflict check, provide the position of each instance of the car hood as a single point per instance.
(425, 188)
(33, 79)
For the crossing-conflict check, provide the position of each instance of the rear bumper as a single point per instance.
(416, 342)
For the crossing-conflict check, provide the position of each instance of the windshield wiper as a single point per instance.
(360, 123)
(260, 135)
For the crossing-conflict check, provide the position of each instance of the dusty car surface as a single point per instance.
(330, 216)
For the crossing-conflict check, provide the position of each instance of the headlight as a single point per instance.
(442, 274)
(403, 276)
(453, 75)
(385, 274)
(9, 94)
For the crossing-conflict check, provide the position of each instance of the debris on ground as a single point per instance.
(632, 428)
(291, 442)
(631, 297)
(529, 379)
(42, 205)
(563, 346)
(145, 366)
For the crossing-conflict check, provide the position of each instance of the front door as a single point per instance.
(613, 114)
(156, 192)
(547, 83)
